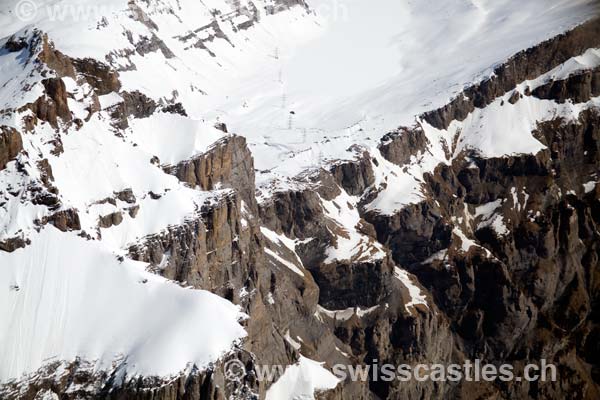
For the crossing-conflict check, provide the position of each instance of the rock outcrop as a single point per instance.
(134, 104)
(227, 164)
(398, 147)
(526, 65)
(580, 87)
(53, 104)
(354, 176)
(503, 251)
(10, 145)
(98, 75)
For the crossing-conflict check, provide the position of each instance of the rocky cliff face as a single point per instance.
(502, 252)
(527, 65)
(227, 164)
(533, 285)
(10, 145)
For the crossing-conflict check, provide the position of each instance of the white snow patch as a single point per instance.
(488, 217)
(283, 261)
(109, 100)
(76, 300)
(282, 240)
(346, 314)
(439, 256)
(589, 186)
(588, 60)
(486, 210)
(401, 186)
(300, 381)
(172, 137)
(416, 296)
(297, 346)
(350, 244)
(270, 299)
(382, 65)
(467, 243)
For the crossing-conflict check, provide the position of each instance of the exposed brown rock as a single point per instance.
(10, 145)
(109, 220)
(228, 164)
(534, 289)
(203, 35)
(202, 251)
(398, 147)
(176, 108)
(353, 284)
(529, 294)
(296, 213)
(100, 76)
(46, 172)
(133, 211)
(580, 87)
(515, 97)
(354, 176)
(14, 44)
(54, 59)
(414, 233)
(56, 90)
(12, 244)
(135, 104)
(66, 220)
(126, 195)
(523, 66)
(152, 44)
(53, 104)
(80, 380)
(221, 126)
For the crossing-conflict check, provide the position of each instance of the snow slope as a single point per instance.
(301, 85)
(64, 297)
(376, 69)
(349, 70)
(300, 381)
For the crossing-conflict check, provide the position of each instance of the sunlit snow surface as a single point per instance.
(350, 70)
(300, 381)
(302, 86)
(64, 297)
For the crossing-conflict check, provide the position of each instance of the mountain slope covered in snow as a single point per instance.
(184, 183)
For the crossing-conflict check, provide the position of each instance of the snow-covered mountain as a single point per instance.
(189, 182)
